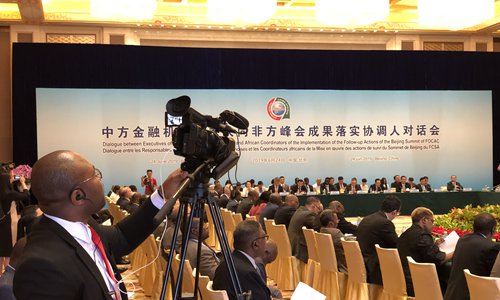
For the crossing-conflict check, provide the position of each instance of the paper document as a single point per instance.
(450, 242)
(303, 291)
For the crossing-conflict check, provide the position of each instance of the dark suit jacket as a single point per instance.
(272, 189)
(267, 212)
(295, 189)
(475, 253)
(244, 207)
(55, 266)
(356, 188)
(346, 226)
(250, 280)
(338, 186)
(399, 187)
(375, 229)
(375, 189)
(283, 215)
(450, 186)
(124, 203)
(208, 260)
(331, 188)
(427, 187)
(302, 217)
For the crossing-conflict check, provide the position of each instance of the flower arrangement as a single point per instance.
(461, 220)
(23, 170)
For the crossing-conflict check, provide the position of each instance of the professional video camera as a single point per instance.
(197, 136)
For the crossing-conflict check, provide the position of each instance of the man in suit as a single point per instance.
(343, 225)
(234, 201)
(284, 214)
(378, 228)
(354, 187)
(276, 187)
(286, 187)
(249, 243)
(328, 186)
(270, 209)
(341, 186)
(376, 187)
(246, 204)
(68, 255)
(304, 216)
(418, 243)
(329, 222)
(208, 259)
(270, 255)
(397, 181)
(403, 186)
(424, 185)
(309, 187)
(299, 188)
(125, 194)
(454, 185)
(474, 251)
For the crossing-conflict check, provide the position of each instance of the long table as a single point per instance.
(439, 202)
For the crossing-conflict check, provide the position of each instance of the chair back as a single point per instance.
(249, 217)
(216, 294)
(327, 257)
(279, 234)
(187, 277)
(312, 249)
(482, 288)
(392, 271)
(354, 259)
(269, 224)
(227, 217)
(238, 218)
(425, 280)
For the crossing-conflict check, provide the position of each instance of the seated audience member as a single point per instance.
(376, 187)
(232, 204)
(135, 200)
(474, 251)
(29, 216)
(208, 259)
(125, 194)
(238, 187)
(495, 270)
(403, 186)
(345, 226)
(354, 187)
(396, 183)
(102, 216)
(364, 185)
(299, 188)
(329, 221)
(247, 203)
(133, 188)
(378, 228)
(423, 186)
(7, 277)
(304, 216)
(259, 205)
(224, 198)
(284, 214)
(454, 185)
(248, 187)
(68, 255)
(270, 255)
(317, 186)
(383, 184)
(276, 188)
(341, 186)
(260, 188)
(418, 243)
(270, 209)
(249, 243)
(309, 187)
(113, 194)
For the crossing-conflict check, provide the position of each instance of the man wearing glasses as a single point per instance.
(249, 243)
(68, 255)
(418, 243)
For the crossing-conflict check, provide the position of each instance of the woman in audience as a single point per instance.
(383, 184)
(259, 205)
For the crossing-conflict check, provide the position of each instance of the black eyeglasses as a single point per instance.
(262, 237)
(97, 174)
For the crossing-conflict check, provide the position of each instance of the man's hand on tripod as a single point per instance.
(172, 183)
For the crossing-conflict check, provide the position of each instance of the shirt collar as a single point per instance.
(78, 230)
(251, 259)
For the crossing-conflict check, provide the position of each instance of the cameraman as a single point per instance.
(149, 182)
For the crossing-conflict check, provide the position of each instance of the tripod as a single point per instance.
(196, 188)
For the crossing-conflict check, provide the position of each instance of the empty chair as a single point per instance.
(482, 288)
(216, 294)
(212, 239)
(288, 265)
(187, 289)
(229, 225)
(425, 280)
(332, 282)
(392, 274)
(313, 268)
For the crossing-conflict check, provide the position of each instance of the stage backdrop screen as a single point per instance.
(294, 133)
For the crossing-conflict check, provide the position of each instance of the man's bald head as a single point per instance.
(270, 252)
(292, 200)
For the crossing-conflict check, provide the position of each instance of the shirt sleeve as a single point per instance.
(157, 200)
(429, 251)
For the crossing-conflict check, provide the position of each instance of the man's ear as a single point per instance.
(76, 196)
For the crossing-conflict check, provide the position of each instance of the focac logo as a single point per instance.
(278, 109)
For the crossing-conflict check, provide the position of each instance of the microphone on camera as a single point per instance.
(235, 119)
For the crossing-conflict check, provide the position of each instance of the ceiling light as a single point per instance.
(241, 11)
(123, 9)
(351, 13)
(454, 14)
